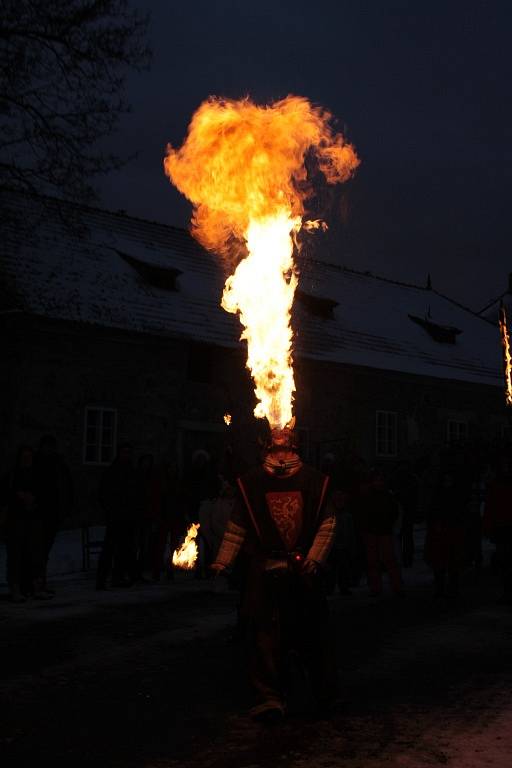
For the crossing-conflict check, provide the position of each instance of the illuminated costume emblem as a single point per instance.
(285, 508)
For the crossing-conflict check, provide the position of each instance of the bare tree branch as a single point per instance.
(63, 65)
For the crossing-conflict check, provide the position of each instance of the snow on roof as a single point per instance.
(66, 262)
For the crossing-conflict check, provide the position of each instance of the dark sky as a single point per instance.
(423, 90)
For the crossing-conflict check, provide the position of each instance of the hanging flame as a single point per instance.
(243, 168)
(186, 556)
(227, 419)
(507, 358)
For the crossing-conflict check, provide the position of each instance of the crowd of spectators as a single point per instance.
(457, 495)
(147, 510)
(36, 495)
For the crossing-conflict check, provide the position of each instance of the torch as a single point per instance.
(507, 359)
(185, 557)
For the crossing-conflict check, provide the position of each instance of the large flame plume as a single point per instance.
(185, 557)
(243, 168)
(507, 357)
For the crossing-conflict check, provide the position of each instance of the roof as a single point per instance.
(77, 263)
(492, 310)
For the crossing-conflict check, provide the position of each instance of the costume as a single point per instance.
(283, 521)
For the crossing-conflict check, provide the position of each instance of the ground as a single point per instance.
(149, 678)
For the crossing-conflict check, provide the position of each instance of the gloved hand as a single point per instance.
(310, 567)
(217, 570)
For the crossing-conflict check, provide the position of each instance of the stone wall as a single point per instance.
(171, 395)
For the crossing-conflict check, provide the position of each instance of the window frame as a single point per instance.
(459, 423)
(386, 454)
(97, 462)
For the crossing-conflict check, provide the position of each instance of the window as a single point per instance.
(100, 435)
(165, 278)
(316, 305)
(457, 431)
(386, 433)
(444, 334)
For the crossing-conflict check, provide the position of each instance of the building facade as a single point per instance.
(112, 332)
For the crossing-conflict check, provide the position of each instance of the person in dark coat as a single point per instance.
(405, 486)
(497, 524)
(444, 544)
(23, 528)
(147, 503)
(117, 496)
(381, 511)
(359, 483)
(283, 521)
(474, 551)
(171, 523)
(201, 482)
(55, 494)
(201, 489)
(341, 558)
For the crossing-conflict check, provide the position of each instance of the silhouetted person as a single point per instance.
(147, 503)
(342, 554)
(429, 475)
(358, 484)
(118, 499)
(55, 494)
(474, 553)
(222, 511)
(232, 465)
(201, 482)
(171, 522)
(23, 529)
(497, 524)
(405, 487)
(213, 518)
(328, 464)
(444, 545)
(202, 487)
(381, 512)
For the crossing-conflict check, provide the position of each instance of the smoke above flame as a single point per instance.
(243, 167)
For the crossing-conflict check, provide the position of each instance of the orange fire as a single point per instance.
(507, 358)
(243, 168)
(227, 419)
(185, 557)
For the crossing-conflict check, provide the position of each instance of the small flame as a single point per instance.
(227, 419)
(243, 168)
(185, 557)
(312, 224)
(507, 357)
